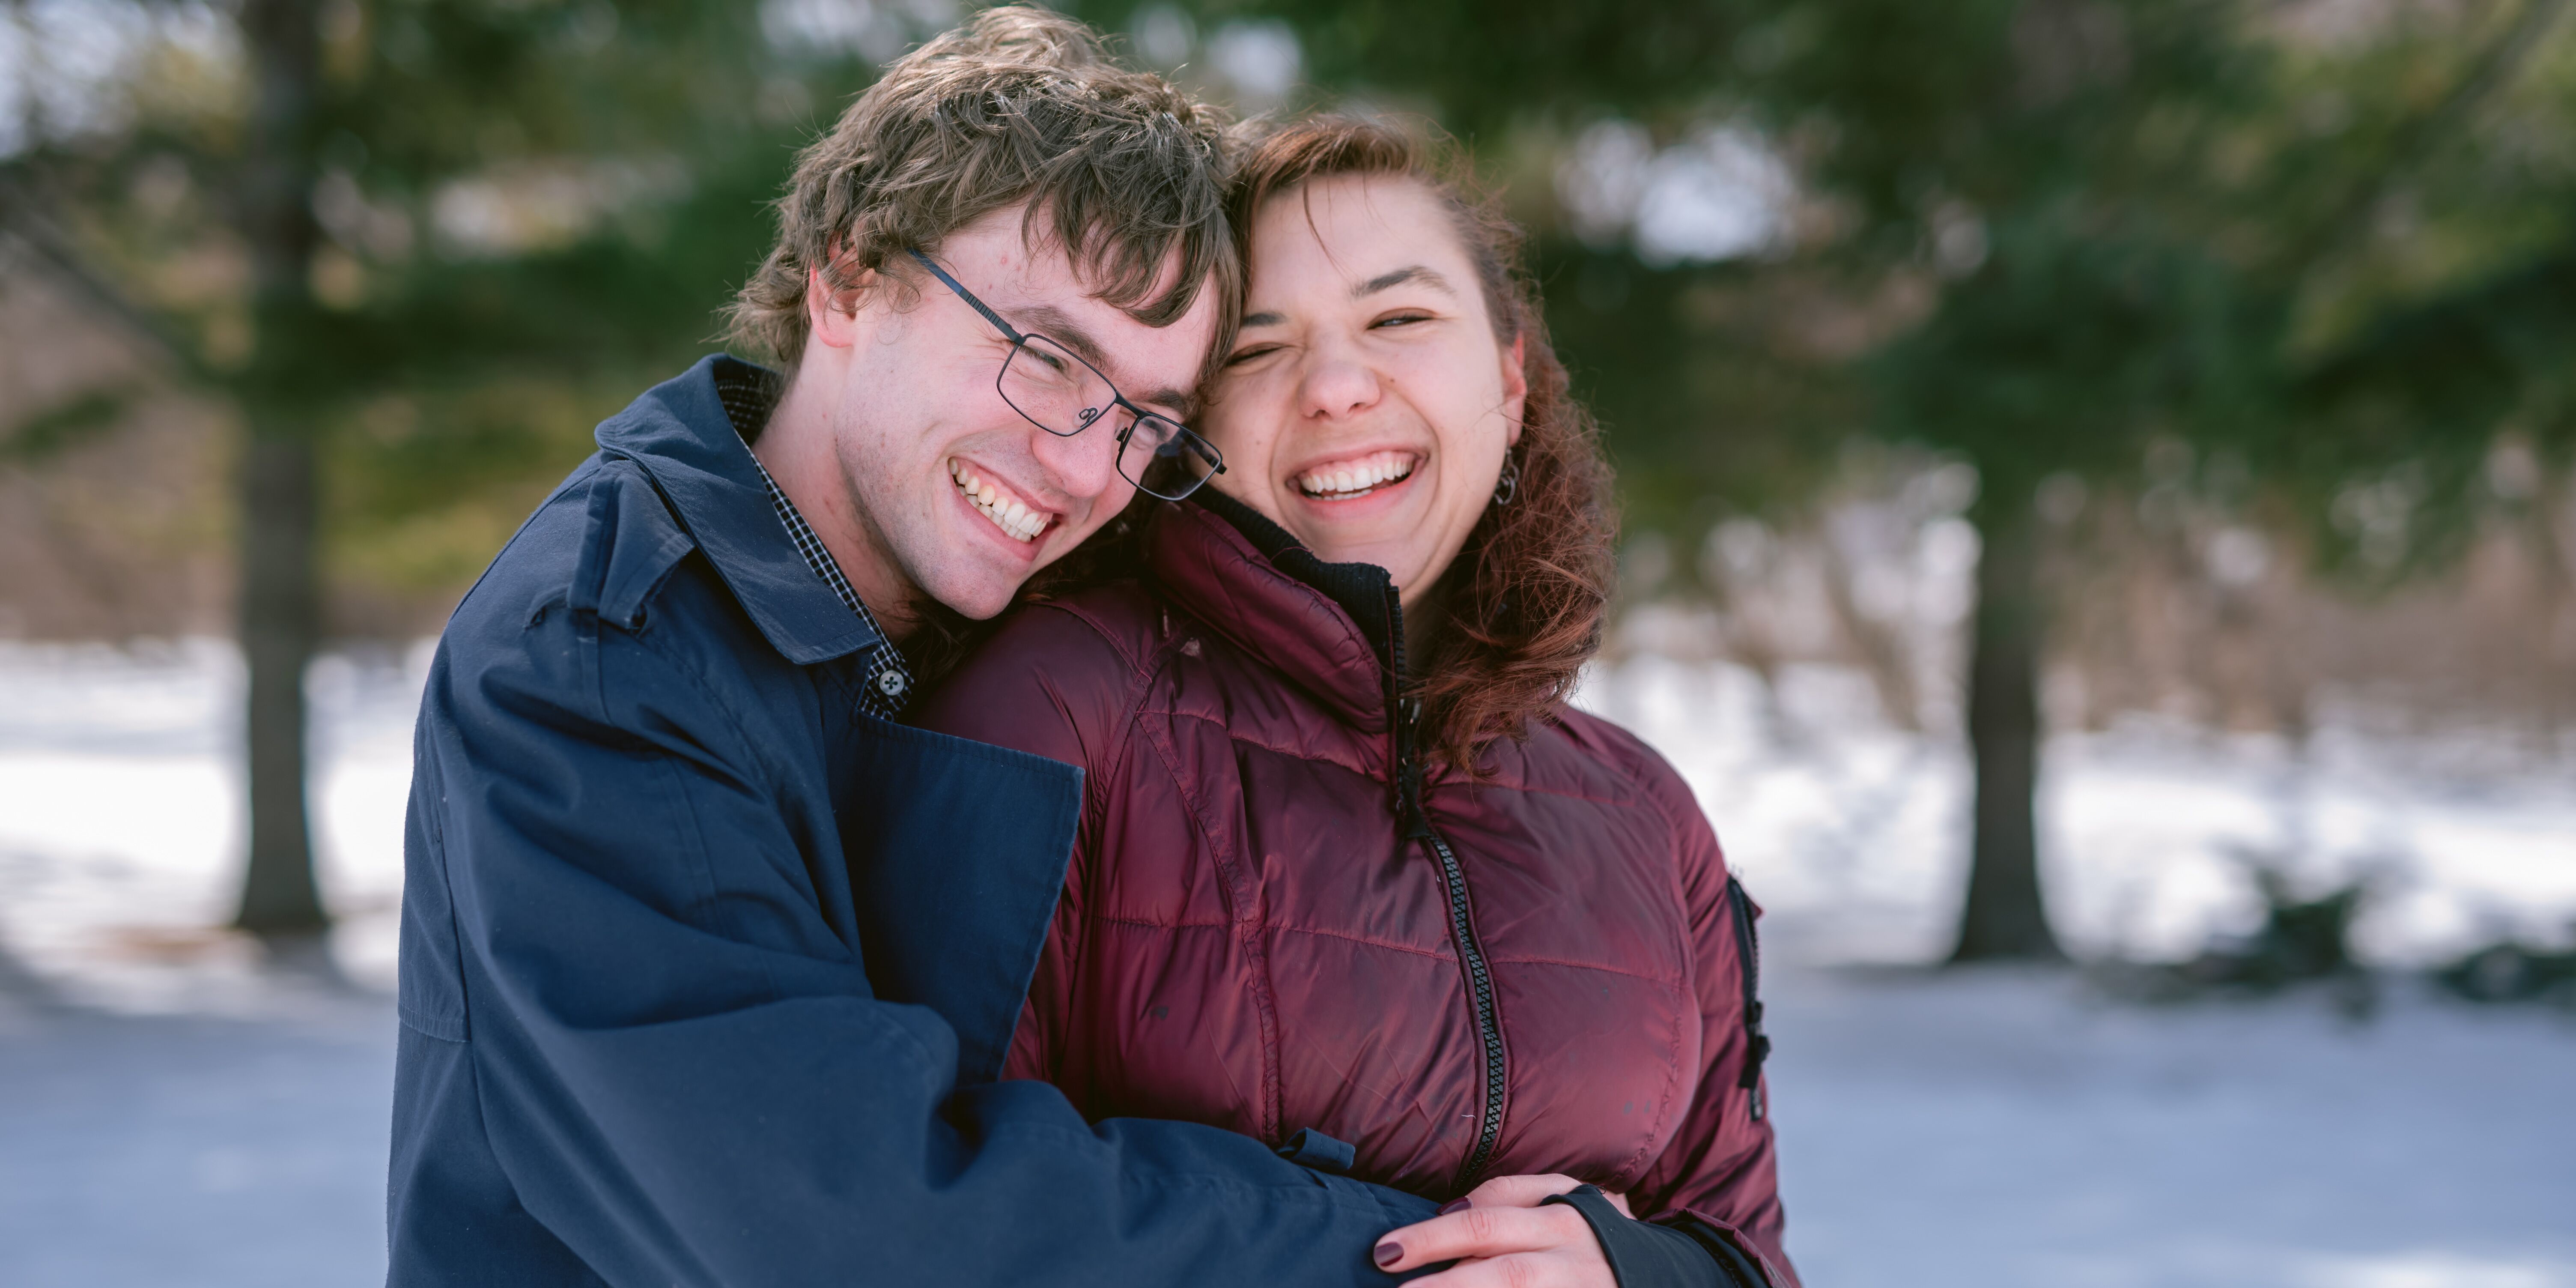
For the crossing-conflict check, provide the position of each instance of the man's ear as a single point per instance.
(831, 313)
(1515, 387)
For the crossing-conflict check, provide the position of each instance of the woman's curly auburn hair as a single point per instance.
(1530, 590)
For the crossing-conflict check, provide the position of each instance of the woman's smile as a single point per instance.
(1350, 478)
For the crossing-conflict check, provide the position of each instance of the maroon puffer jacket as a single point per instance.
(1544, 972)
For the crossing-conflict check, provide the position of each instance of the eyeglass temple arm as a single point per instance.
(968, 296)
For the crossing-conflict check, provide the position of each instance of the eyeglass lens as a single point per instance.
(1165, 459)
(1059, 391)
(1064, 396)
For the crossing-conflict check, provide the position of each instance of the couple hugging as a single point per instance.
(857, 838)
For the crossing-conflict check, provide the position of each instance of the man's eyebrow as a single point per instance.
(1264, 319)
(1409, 273)
(1057, 325)
(1183, 404)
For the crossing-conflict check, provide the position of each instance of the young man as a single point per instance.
(708, 967)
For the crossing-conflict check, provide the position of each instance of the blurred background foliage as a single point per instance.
(2256, 309)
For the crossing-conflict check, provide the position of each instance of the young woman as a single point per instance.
(1349, 869)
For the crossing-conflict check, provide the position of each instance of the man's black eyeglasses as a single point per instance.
(1060, 393)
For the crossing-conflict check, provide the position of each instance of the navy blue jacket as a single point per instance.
(707, 976)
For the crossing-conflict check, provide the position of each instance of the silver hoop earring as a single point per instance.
(1509, 485)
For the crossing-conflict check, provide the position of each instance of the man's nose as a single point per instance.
(1084, 465)
(1338, 383)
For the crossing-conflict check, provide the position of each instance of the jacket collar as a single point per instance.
(1334, 630)
(681, 436)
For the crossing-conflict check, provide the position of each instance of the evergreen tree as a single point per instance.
(421, 247)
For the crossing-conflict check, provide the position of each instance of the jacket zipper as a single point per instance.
(1407, 714)
(1480, 991)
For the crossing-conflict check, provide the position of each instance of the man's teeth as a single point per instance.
(1343, 479)
(1019, 521)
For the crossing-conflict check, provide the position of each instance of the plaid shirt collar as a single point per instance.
(748, 395)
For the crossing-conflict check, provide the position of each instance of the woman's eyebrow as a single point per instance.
(1409, 273)
(1422, 273)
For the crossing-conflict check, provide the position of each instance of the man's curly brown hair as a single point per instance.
(1117, 168)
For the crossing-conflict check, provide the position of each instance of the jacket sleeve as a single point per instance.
(1719, 1171)
(682, 1071)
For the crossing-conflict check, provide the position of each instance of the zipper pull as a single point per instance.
(1410, 818)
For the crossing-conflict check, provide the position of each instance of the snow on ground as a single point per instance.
(121, 831)
(174, 1111)
(2000, 1129)
(1854, 835)
(175, 1151)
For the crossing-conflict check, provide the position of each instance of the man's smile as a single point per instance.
(1018, 520)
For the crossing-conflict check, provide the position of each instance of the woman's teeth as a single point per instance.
(1013, 518)
(1343, 480)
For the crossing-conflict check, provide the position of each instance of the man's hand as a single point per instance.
(1502, 1238)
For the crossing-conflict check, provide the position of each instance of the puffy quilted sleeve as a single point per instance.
(1719, 1170)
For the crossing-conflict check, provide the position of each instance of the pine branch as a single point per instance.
(39, 239)
(2416, 140)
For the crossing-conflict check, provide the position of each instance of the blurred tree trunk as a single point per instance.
(278, 629)
(2004, 917)
(280, 621)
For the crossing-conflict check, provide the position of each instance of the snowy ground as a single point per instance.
(1853, 835)
(175, 1151)
(173, 1111)
(2007, 1131)
(121, 827)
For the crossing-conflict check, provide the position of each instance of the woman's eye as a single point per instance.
(1399, 319)
(1242, 356)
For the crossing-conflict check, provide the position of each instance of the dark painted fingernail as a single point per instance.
(1389, 1253)
(1453, 1205)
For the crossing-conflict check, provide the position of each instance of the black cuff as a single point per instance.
(1737, 1268)
(1643, 1255)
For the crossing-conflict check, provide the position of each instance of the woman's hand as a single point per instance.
(1502, 1238)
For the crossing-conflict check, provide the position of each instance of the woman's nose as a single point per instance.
(1338, 385)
